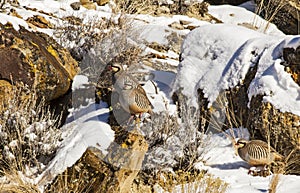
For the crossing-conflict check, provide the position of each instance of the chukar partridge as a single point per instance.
(257, 152)
(132, 96)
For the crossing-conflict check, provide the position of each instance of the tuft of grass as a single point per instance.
(15, 182)
(134, 7)
(274, 183)
(190, 181)
(267, 9)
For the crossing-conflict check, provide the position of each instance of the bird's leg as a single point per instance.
(138, 121)
(135, 119)
(131, 119)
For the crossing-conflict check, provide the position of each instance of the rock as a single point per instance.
(269, 122)
(284, 14)
(75, 5)
(88, 4)
(176, 25)
(90, 173)
(36, 60)
(114, 173)
(83, 2)
(101, 2)
(126, 156)
(39, 21)
(292, 62)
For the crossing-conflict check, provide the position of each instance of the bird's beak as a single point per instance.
(236, 149)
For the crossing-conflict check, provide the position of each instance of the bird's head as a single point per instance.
(241, 143)
(116, 67)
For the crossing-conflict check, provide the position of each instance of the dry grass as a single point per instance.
(268, 10)
(157, 8)
(190, 182)
(15, 182)
(2, 2)
(29, 137)
(134, 7)
(274, 183)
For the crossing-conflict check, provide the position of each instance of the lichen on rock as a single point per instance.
(36, 60)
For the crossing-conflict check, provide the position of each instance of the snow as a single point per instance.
(156, 29)
(16, 22)
(240, 16)
(79, 82)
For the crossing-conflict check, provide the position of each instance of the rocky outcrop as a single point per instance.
(113, 173)
(36, 60)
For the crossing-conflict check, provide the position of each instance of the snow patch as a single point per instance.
(16, 22)
(241, 16)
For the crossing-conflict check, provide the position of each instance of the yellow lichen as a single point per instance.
(52, 51)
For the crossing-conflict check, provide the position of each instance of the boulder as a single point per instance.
(36, 60)
(113, 173)
(292, 62)
(75, 5)
(39, 21)
(88, 4)
(102, 2)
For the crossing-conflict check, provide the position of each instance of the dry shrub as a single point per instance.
(135, 7)
(156, 7)
(190, 182)
(274, 183)
(175, 146)
(175, 139)
(70, 181)
(268, 10)
(16, 183)
(29, 134)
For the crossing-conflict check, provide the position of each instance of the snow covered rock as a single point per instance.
(242, 77)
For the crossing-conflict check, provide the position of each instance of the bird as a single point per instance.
(257, 152)
(132, 95)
